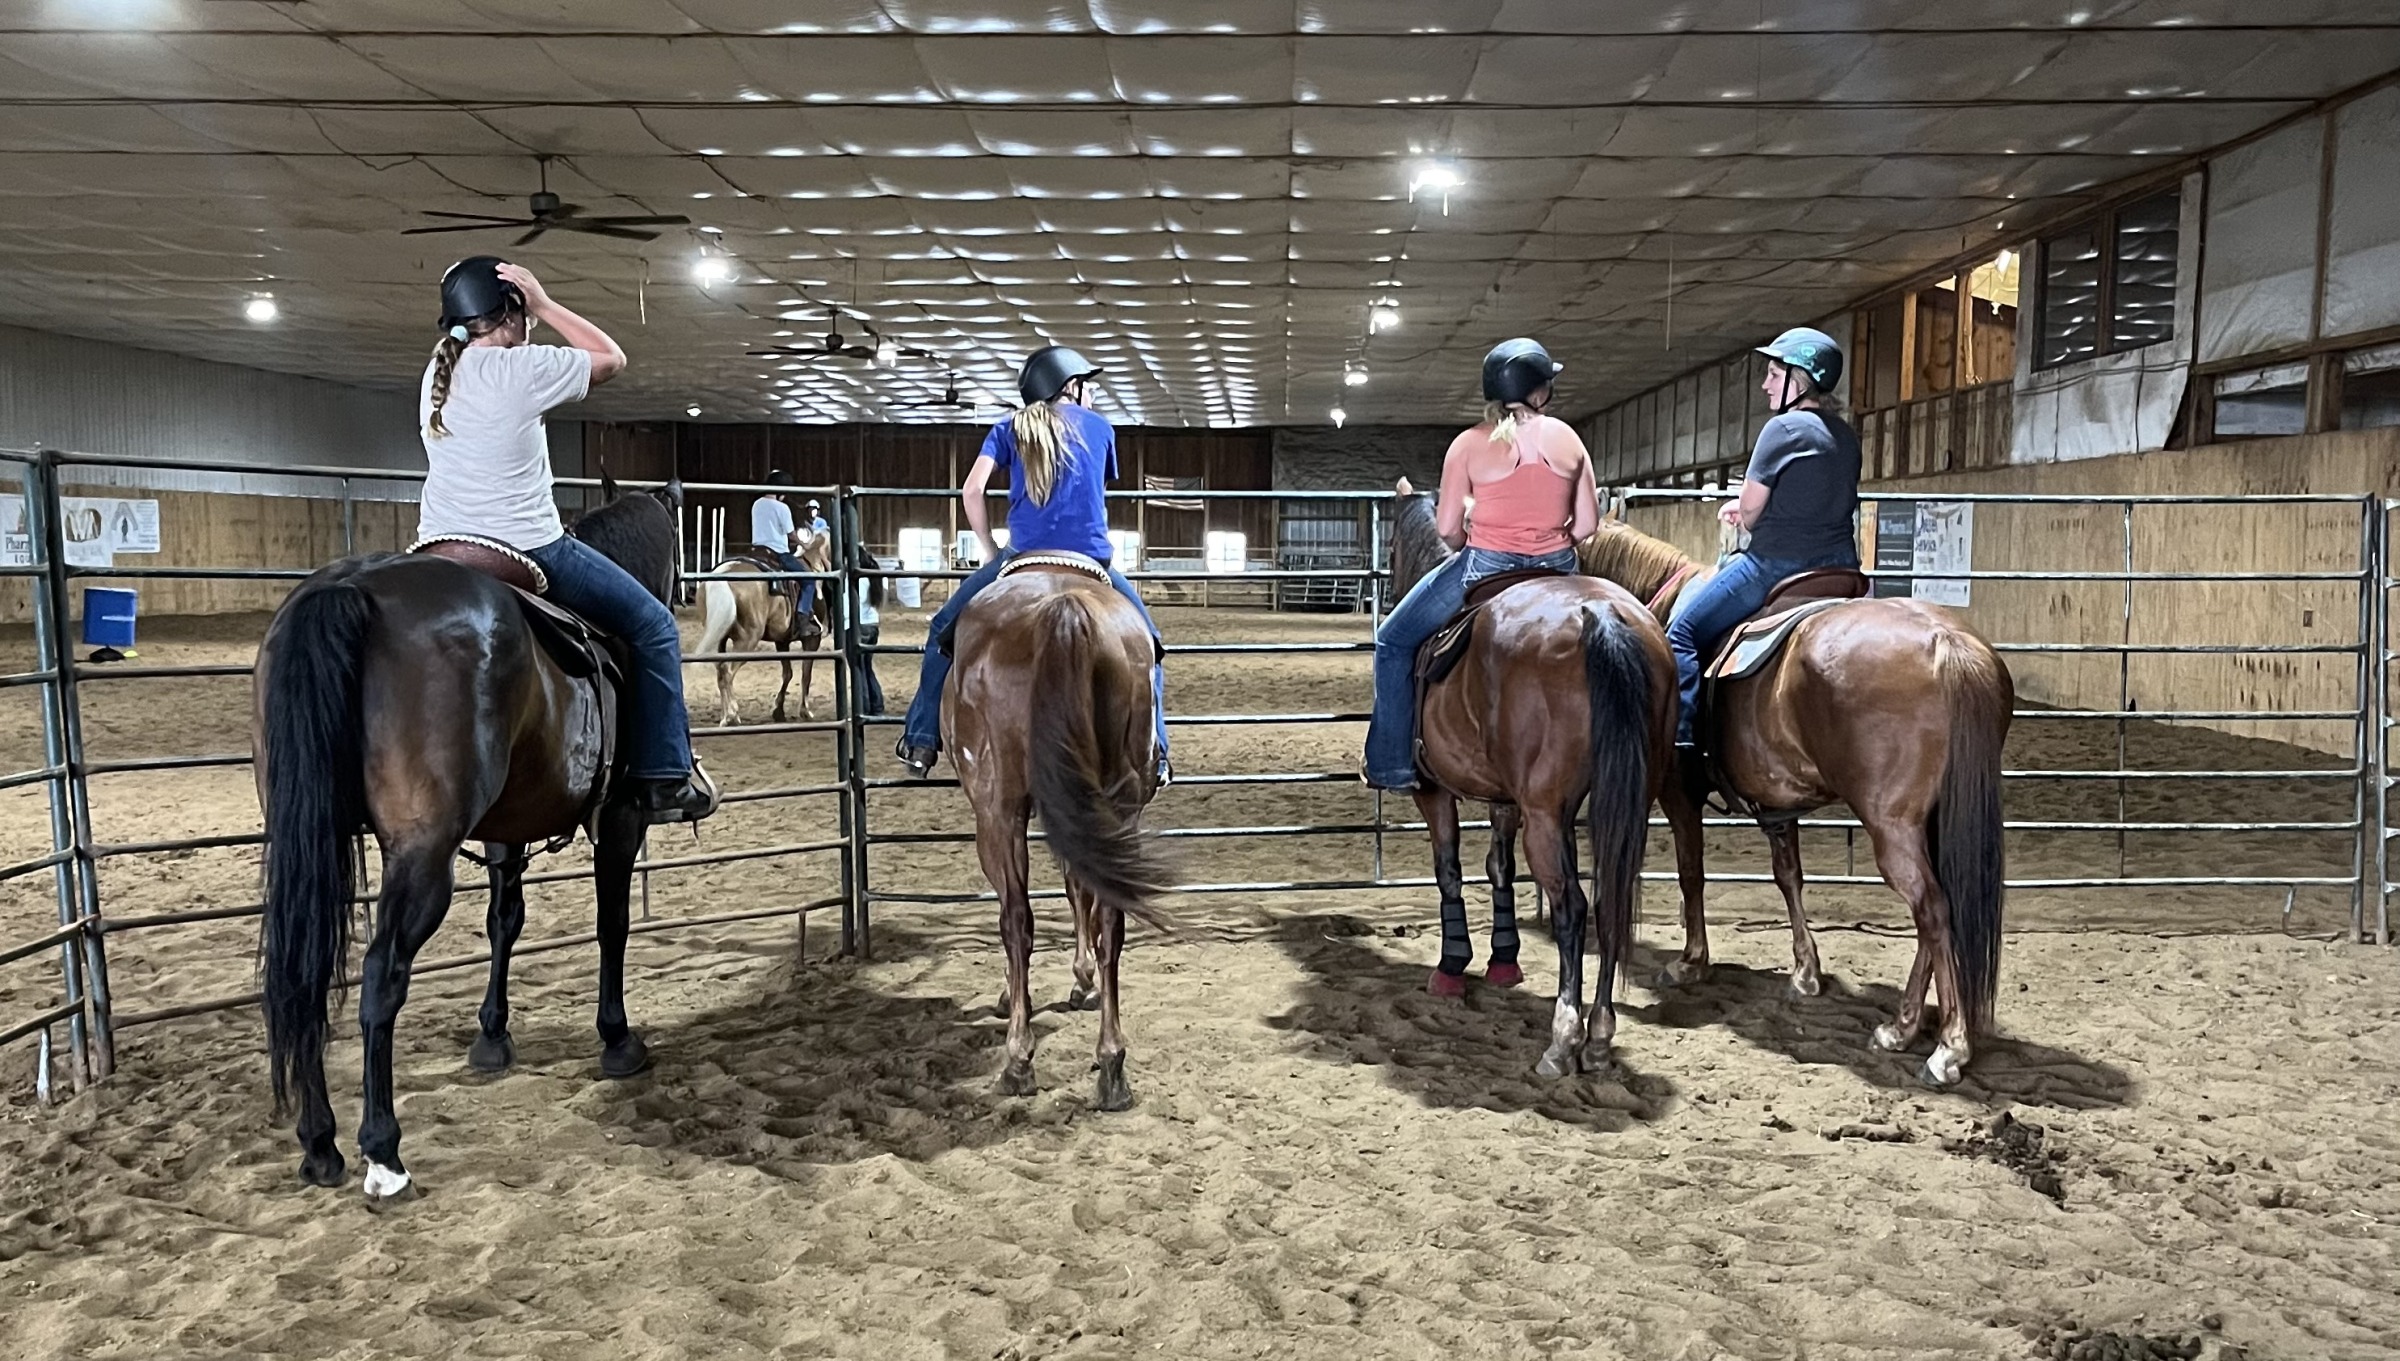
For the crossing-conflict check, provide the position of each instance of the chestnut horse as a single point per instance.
(406, 695)
(1897, 709)
(742, 614)
(1566, 694)
(1048, 711)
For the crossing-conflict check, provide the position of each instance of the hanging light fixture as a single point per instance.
(1337, 416)
(261, 308)
(1384, 315)
(1442, 176)
(1354, 375)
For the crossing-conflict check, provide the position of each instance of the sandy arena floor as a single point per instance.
(1324, 1161)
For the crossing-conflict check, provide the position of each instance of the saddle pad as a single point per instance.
(489, 556)
(1756, 642)
(1074, 562)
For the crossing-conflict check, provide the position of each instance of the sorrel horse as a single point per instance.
(742, 614)
(1565, 699)
(1048, 711)
(1897, 709)
(407, 695)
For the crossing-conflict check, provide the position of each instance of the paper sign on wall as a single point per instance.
(1945, 543)
(98, 528)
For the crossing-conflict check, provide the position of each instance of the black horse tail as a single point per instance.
(1083, 776)
(1617, 676)
(1969, 854)
(314, 787)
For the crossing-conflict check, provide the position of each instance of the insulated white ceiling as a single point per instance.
(1203, 195)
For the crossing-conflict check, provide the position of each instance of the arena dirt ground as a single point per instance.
(2188, 1134)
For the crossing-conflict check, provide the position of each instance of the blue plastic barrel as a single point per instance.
(108, 616)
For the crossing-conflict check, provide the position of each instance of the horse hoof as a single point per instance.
(1503, 975)
(325, 1169)
(1015, 1081)
(1807, 985)
(1081, 998)
(1890, 1039)
(383, 1183)
(1552, 1066)
(625, 1058)
(492, 1053)
(1446, 984)
(1681, 973)
(1943, 1069)
(1115, 1093)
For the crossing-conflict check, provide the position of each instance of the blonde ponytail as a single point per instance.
(445, 363)
(1502, 417)
(1041, 438)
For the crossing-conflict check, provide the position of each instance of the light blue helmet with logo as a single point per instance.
(1812, 352)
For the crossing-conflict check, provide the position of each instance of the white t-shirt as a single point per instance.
(491, 475)
(867, 613)
(771, 524)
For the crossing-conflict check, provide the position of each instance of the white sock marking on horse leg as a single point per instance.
(383, 1182)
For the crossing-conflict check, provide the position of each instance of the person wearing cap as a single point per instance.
(1799, 501)
(1058, 455)
(772, 532)
(487, 476)
(1531, 481)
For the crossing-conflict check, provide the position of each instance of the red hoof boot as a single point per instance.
(1503, 975)
(1446, 984)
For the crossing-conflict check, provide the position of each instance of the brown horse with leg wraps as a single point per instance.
(1565, 695)
(1897, 709)
(1048, 711)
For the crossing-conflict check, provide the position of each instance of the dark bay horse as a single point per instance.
(1048, 711)
(406, 695)
(1565, 700)
(1897, 709)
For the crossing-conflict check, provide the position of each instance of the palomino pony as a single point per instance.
(1897, 709)
(1566, 693)
(407, 695)
(1048, 711)
(742, 614)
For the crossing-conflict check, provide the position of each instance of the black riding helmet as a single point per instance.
(472, 289)
(779, 478)
(1048, 370)
(1516, 369)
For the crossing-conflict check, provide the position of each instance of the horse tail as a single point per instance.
(721, 611)
(1969, 854)
(1617, 677)
(313, 784)
(1082, 773)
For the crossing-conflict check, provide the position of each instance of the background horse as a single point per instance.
(1048, 711)
(1567, 691)
(740, 614)
(406, 695)
(1897, 709)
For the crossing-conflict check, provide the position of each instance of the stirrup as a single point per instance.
(918, 760)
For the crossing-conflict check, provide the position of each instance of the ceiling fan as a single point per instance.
(876, 350)
(552, 215)
(949, 400)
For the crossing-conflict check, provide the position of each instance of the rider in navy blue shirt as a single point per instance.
(1058, 455)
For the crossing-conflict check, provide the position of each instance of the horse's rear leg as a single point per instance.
(1901, 854)
(1440, 811)
(622, 1053)
(1691, 877)
(1783, 841)
(416, 895)
(727, 709)
(1115, 1093)
(503, 922)
(1085, 995)
(808, 680)
(1000, 845)
(1500, 866)
(1547, 853)
(783, 655)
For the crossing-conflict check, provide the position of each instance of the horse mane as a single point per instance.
(637, 533)
(1417, 548)
(1618, 552)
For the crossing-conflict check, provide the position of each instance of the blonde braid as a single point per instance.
(1502, 417)
(1041, 436)
(445, 363)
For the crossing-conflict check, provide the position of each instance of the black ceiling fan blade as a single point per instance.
(463, 227)
(528, 238)
(592, 229)
(667, 220)
(476, 217)
(785, 352)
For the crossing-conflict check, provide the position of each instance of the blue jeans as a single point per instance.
(1434, 601)
(658, 745)
(1709, 611)
(791, 563)
(924, 724)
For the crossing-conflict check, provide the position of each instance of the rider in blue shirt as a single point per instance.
(1058, 455)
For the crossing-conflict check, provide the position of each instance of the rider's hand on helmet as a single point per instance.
(537, 299)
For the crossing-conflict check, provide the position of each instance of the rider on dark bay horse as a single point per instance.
(488, 476)
(1058, 455)
(1799, 501)
(1531, 480)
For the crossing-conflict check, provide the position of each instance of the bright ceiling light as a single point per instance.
(1337, 415)
(691, 411)
(887, 353)
(261, 309)
(1437, 176)
(712, 269)
(1354, 376)
(1383, 316)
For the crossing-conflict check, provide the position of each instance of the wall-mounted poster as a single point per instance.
(98, 528)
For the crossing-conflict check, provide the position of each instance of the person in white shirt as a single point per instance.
(488, 475)
(771, 529)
